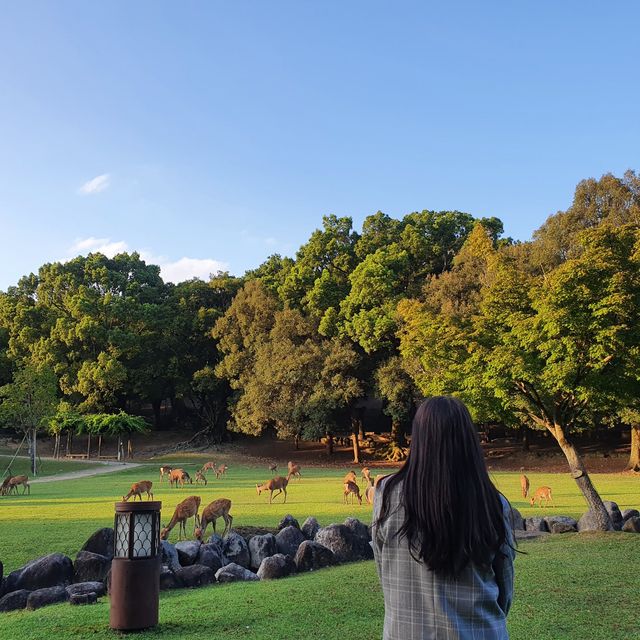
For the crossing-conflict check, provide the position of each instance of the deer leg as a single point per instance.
(285, 495)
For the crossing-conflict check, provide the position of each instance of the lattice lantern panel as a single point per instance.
(143, 535)
(122, 535)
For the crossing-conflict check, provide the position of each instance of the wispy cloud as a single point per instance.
(95, 185)
(171, 270)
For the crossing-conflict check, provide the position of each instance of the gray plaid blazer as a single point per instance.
(419, 605)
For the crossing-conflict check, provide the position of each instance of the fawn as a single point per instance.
(353, 489)
(543, 493)
(138, 488)
(524, 485)
(278, 484)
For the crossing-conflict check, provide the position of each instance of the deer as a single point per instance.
(4, 487)
(179, 476)
(279, 484)
(353, 489)
(165, 470)
(208, 466)
(350, 477)
(524, 485)
(294, 469)
(16, 481)
(366, 475)
(221, 470)
(200, 477)
(273, 468)
(217, 509)
(186, 509)
(542, 493)
(138, 488)
(370, 491)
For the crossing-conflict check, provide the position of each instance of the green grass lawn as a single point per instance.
(573, 586)
(46, 467)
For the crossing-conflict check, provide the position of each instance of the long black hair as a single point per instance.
(453, 513)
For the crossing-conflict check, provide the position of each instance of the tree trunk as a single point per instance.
(129, 449)
(361, 434)
(397, 433)
(329, 444)
(88, 446)
(524, 433)
(296, 441)
(120, 452)
(69, 442)
(157, 412)
(634, 456)
(356, 447)
(582, 479)
(34, 466)
(99, 446)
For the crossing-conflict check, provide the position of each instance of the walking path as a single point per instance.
(105, 467)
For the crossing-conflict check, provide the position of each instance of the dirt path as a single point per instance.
(105, 467)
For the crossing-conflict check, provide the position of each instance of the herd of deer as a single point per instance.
(351, 486)
(11, 483)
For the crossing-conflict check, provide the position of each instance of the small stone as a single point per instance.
(44, 597)
(14, 600)
(276, 566)
(83, 598)
(195, 575)
(536, 523)
(86, 587)
(187, 551)
(234, 572)
(561, 524)
(632, 525)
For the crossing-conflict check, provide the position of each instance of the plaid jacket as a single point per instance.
(419, 605)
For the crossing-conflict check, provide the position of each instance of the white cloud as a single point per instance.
(170, 270)
(95, 185)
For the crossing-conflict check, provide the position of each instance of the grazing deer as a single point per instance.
(350, 477)
(543, 493)
(138, 488)
(5, 485)
(186, 509)
(16, 481)
(524, 485)
(353, 489)
(273, 468)
(370, 491)
(221, 470)
(278, 484)
(200, 477)
(208, 466)
(179, 476)
(165, 470)
(366, 475)
(217, 509)
(294, 469)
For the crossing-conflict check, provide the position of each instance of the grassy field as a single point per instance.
(47, 467)
(559, 596)
(60, 516)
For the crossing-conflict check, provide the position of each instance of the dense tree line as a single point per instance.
(536, 335)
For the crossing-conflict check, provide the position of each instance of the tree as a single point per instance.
(28, 402)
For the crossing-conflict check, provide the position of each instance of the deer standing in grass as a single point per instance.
(279, 484)
(16, 481)
(543, 493)
(186, 509)
(179, 476)
(366, 475)
(165, 470)
(208, 466)
(524, 485)
(138, 488)
(370, 491)
(350, 477)
(294, 470)
(221, 470)
(5, 485)
(217, 509)
(200, 477)
(273, 468)
(353, 489)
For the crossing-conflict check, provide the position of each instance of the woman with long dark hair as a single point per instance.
(442, 535)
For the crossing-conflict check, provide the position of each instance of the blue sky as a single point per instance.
(216, 133)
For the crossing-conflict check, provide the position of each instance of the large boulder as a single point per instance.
(632, 525)
(187, 552)
(100, 542)
(236, 550)
(288, 521)
(561, 524)
(588, 522)
(1, 571)
(216, 539)
(277, 566)
(345, 544)
(517, 521)
(83, 598)
(195, 575)
(53, 570)
(168, 579)
(626, 514)
(210, 556)
(14, 600)
(170, 555)
(44, 597)
(89, 566)
(535, 523)
(261, 547)
(86, 587)
(614, 513)
(288, 540)
(312, 555)
(310, 527)
(362, 536)
(234, 572)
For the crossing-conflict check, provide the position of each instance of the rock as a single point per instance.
(168, 579)
(360, 529)
(236, 550)
(234, 572)
(100, 542)
(588, 522)
(90, 566)
(1, 571)
(288, 540)
(312, 555)
(626, 514)
(195, 575)
(187, 551)
(288, 521)
(277, 566)
(346, 546)
(43, 597)
(210, 556)
(517, 521)
(217, 540)
(530, 535)
(14, 600)
(261, 547)
(53, 570)
(170, 555)
(310, 527)
(614, 512)
(83, 598)
(632, 525)
(561, 524)
(86, 587)
(536, 523)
